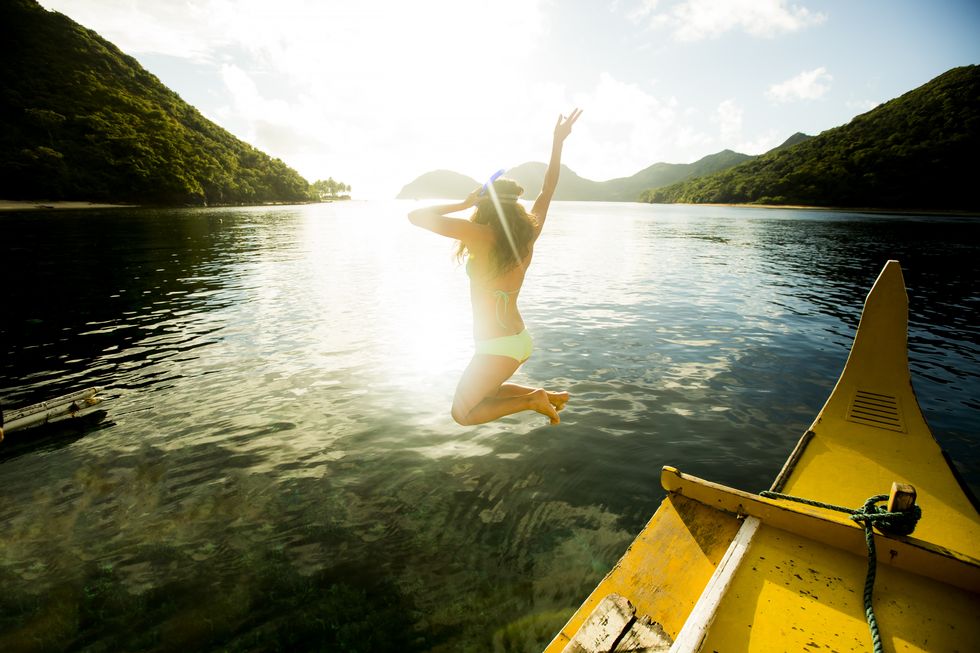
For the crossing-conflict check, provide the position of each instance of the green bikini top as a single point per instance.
(502, 297)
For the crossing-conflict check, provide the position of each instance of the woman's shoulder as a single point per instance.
(479, 237)
(480, 248)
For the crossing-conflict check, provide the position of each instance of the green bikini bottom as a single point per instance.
(518, 347)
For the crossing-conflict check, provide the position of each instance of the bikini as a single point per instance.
(518, 346)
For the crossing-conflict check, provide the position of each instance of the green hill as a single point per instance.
(795, 139)
(443, 183)
(663, 174)
(83, 121)
(438, 184)
(570, 185)
(917, 151)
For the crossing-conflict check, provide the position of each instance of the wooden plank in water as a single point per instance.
(604, 627)
(614, 628)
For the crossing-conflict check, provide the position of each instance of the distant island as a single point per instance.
(915, 152)
(444, 183)
(80, 120)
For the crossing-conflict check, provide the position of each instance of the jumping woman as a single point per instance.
(498, 243)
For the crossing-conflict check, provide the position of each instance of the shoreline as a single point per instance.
(40, 205)
(804, 207)
(60, 205)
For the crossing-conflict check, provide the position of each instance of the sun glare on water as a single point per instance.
(392, 291)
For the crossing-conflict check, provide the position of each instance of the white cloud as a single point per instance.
(808, 85)
(623, 129)
(696, 20)
(862, 106)
(760, 144)
(323, 40)
(729, 119)
(642, 12)
(360, 89)
(690, 139)
(185, 29)
(377, 92)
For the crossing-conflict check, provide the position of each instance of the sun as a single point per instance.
(389, 290)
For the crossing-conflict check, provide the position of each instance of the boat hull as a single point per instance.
(719, 569)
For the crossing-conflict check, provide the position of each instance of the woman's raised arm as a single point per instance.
(434, 218)
(562, 129)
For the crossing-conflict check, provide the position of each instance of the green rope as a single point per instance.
(869, 515)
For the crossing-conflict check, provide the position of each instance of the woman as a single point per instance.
(498, 243)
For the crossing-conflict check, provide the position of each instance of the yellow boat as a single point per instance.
(719, 569)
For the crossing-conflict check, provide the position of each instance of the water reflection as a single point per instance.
(279, 467)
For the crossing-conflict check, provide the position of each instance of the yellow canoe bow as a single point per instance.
(719, 569)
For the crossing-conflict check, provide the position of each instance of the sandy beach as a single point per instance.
(32, 205)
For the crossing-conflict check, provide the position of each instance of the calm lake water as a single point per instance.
(277, 469)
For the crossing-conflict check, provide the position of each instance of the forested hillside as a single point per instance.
(917, 151)
(81, 120)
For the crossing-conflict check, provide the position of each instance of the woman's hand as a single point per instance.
(473, 198)
(564, 125)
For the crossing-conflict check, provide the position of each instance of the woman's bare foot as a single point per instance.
(558, 399)
(541, 402)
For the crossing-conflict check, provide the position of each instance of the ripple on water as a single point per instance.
(278, 444)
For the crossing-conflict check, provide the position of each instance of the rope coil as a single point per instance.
(870, 516)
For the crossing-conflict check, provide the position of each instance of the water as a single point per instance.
(278, 470)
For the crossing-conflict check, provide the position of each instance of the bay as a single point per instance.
(277, 468)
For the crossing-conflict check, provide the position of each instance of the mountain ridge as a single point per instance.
(916, 151)
(81, 120)
(571, 186)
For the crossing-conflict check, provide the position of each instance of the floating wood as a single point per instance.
(76, 404)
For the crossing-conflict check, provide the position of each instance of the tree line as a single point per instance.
(82, 120)
(324, 189)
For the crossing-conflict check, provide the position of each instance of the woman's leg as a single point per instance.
(557, 399)
(477, 401)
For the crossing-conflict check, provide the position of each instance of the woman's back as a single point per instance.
(493, 295)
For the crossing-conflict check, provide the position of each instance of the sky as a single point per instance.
(375, 93)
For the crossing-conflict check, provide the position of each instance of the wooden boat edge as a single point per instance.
(909, 554)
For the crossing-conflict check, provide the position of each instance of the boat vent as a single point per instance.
(877, 410)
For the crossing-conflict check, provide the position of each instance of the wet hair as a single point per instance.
(522, 225)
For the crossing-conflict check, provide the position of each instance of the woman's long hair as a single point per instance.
(521, 225)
